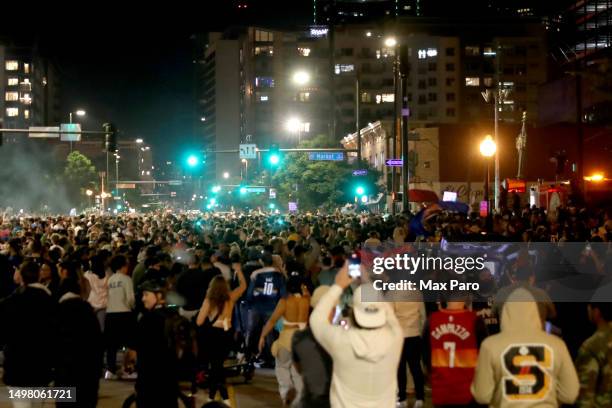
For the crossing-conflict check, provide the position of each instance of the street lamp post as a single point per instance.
(488, 148)
(391, 42)
(246, 169)
(89, 193)
(79, 112)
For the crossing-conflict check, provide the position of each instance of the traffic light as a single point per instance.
(192, 160)
(110, 137)
(216, 189)
(360, 190)
(274, 156)
(243, 190)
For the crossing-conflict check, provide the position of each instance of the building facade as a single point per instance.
(29, 89)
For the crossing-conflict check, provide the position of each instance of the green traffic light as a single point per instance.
(243, 190)
(216, 189)
(272, 206)
(192, 160)
(360, 190)
(274, 159)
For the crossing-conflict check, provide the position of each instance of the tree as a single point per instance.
(319, 183)
(79, 174)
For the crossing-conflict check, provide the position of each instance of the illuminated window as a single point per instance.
(12, 112)
(26, 114)
(306, 126)
(26, 68)
(366, 97)
(487, 81)
(304, 52)
(304, 96)
(388, 97)
(262, 97)
(472, 50)
(12, 96)
(264, 50)
(341, 68)
(472, 81)
(12, 65)
(263, 36)
(13, 81)
(488, 52)
(26, 99)
(264, 82)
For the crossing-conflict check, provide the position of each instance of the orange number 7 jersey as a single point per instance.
(454, 354)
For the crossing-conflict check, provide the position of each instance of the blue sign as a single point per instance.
(394, 162)
(361, 172)
(329, 156)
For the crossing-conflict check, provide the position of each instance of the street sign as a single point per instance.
(175, 182)
(328, 156)
(272, 193)
(360, 172)
(126, 185)
(394, 162)
(71, 132)
(44, 129)
(293, 206)
(255, 189)
(248, 151)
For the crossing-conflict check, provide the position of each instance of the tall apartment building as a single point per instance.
(449, 65)
(248, 92)
(29, 92)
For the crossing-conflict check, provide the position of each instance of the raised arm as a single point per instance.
(236, 293)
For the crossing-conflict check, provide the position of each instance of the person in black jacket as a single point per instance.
(155, 348)
(26, 318)
(80, 346)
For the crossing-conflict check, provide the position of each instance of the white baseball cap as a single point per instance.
(369, 315)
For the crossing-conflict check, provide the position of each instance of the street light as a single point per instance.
(139, 141)
(89, 193)
(487, 146)
(301, 77)
(390, 42)
(226, 175)
(295, 125)
(487, 150)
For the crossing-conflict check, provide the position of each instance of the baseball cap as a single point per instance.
(369, 315)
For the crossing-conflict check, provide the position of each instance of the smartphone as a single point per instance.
(354, 265)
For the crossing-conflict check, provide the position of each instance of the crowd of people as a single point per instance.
(180, 293)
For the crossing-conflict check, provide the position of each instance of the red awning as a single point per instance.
(423, 196)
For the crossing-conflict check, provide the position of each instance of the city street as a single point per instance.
(261, 392)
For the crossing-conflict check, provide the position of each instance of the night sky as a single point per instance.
(135, 67)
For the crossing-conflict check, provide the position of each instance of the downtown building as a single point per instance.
(247, 93)
(29, 88)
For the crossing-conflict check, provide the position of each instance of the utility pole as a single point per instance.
(357, 124)
(396, 122)
(405, 113)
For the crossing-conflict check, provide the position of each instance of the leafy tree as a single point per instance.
(79, 174)
(319, 183)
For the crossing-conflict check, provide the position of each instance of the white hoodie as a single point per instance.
(365, 361)
(523, 366)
